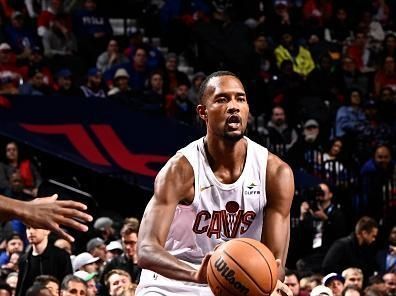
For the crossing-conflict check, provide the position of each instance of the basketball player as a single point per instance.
(220, 187)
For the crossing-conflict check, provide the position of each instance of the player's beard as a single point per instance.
(231, 137)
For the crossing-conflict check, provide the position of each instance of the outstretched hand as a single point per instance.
(50, 213)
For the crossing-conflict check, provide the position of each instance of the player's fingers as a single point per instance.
(71, 222)
(76, 214)
(284, 290)
(63, 234)
(72, 204)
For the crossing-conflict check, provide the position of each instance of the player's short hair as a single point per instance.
(204, 84)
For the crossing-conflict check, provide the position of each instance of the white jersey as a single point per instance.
(219, 212)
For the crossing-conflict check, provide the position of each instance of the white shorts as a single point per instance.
(154, 284)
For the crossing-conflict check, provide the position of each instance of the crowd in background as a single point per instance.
(321, 82)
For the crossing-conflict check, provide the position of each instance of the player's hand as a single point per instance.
(50, 213)
(201, 274)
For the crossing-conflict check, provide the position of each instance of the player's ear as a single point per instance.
(202, 111)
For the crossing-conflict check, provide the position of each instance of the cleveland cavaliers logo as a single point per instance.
(225, 223)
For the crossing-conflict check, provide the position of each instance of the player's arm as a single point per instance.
(276, 225)
(174, 183)
(47, 213)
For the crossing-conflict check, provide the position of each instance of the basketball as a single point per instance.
(242, 266)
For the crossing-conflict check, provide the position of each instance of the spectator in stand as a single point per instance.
(155, 58)
(53, 16)
(196, 82)
(323, 81)
(388, 46)
(36, 85)
(374, 29)
(29, 173)
(42, 258)
(97, 248)
(352, 78)
(387, 105)
(65, 85)
(321, 290)
(361, 53)
(118, 282)
(286, 89)
(292, 281)
(303, 63)
(93, 31)
(86, 262)
(89, 279)
(38, 62)
(154, 94)
(322, 221)
(72, 285)
(340, 27)
(138, 70)
(60, 46)
(375, 176)
(20, 36)
(390, 283)
(48, 281)
(16, 189)
(104, 225)
(172, 76)
(317, 12)
(335, 282)
(353, 277)
(122, 93)
(354, 250)
(127, 261)
(386, 76)
(386, 257)
(111, 57)
(179, 107)
(263, 59)
(114, 249)
(8, 66)
(350, 119)
(93, 87)
(281, 137)
(14, 244)
(307, 152)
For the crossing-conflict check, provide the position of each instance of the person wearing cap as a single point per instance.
(354, 250)
(104, 225)
(335, 282)
(42, 258)
(321, 290)
(307, 152)
(113, 249)
(86, 262)
(97, 248)
(93, 87)
(353, 277)
(122, 93)
(111, 57)
(89, 279)
(64, 84)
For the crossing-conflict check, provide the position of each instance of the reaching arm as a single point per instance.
(47, 213)
(174, 183)
(276, 225)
